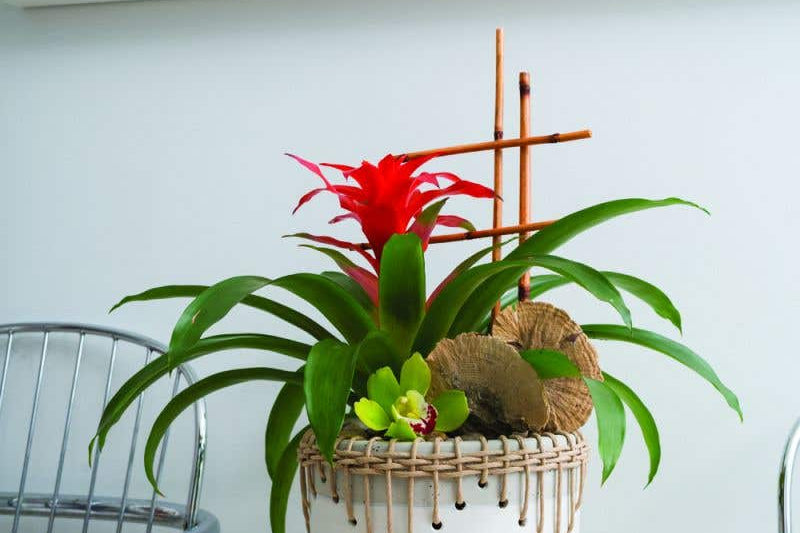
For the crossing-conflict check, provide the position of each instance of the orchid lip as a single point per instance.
(426, 425)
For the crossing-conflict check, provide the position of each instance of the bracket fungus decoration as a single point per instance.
(537, 327)
(504, 392)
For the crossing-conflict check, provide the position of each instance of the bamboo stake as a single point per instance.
(502, 144)
(477, 234)
(497, 218)
(497, 215)
(524, 287)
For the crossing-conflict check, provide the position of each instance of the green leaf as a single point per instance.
(401, 430)
(425, 222)
(539, 285)
(482, 300)
(607, 398)
(465, 265)
(610, 415)
(161, 366)
(210, 307)
(272, 307)
(371, 414)
(282, 484)
(335, 304)
(328, 379)
(383, 387)
(550, 364)
(282, 418)
(668, 347)
(548, 239)
(649, 294)
(377, 351)
(445, 307)
(452, 408)
(355, 290)
(402, 289)
(542, 283)
(363, 277)
(415, 375)
(646, 421)
(197, 391)
(588, 278)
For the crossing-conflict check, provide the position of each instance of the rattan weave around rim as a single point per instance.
(439, 466)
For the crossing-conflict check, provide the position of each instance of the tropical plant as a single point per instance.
(382, 313)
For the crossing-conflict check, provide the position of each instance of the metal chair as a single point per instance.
(785, 481)
(53, 505)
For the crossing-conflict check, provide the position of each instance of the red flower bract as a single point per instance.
(389, 198)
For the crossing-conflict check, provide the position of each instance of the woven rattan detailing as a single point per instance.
(359, 463)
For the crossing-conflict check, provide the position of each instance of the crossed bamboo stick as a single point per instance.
(524, 142)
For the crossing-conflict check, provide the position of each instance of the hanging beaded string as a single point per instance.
(484, 481)
(504, 480)
(389, 502)
(436, 520)
(351, 517)
(523, 514)
(412, 476)
(539, 487)
(460, 503)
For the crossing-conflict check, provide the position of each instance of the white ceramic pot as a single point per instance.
(534, 482)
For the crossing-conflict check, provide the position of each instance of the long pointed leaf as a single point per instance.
(272, 307)
(377, 351)
(285, 473)
(197, 391)
(328, 379)
(161, 366)
(588, 278)
(425, 222)
(463, 266)
(668, 347)
(610, 415)
(402, 290)
(551, 364)
(366, 279)
(643, 416)
(445, 307)
(355, 290)
(548, 239)
(482, 300)
(336, 304)
(539, 285)
(649, 294)
(211, 306)
(282, 418)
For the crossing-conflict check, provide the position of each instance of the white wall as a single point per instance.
(140, 144)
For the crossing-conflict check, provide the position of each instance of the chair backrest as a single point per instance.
(785, 481)
(34, 349)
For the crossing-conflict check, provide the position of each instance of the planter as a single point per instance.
(458, 485)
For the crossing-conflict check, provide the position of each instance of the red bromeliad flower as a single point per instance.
(387, 199)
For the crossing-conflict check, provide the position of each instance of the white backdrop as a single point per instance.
(140, 144)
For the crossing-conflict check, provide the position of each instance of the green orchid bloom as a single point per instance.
(400, 408)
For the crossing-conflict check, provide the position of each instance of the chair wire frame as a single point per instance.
(186, 517)
(785, 480)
